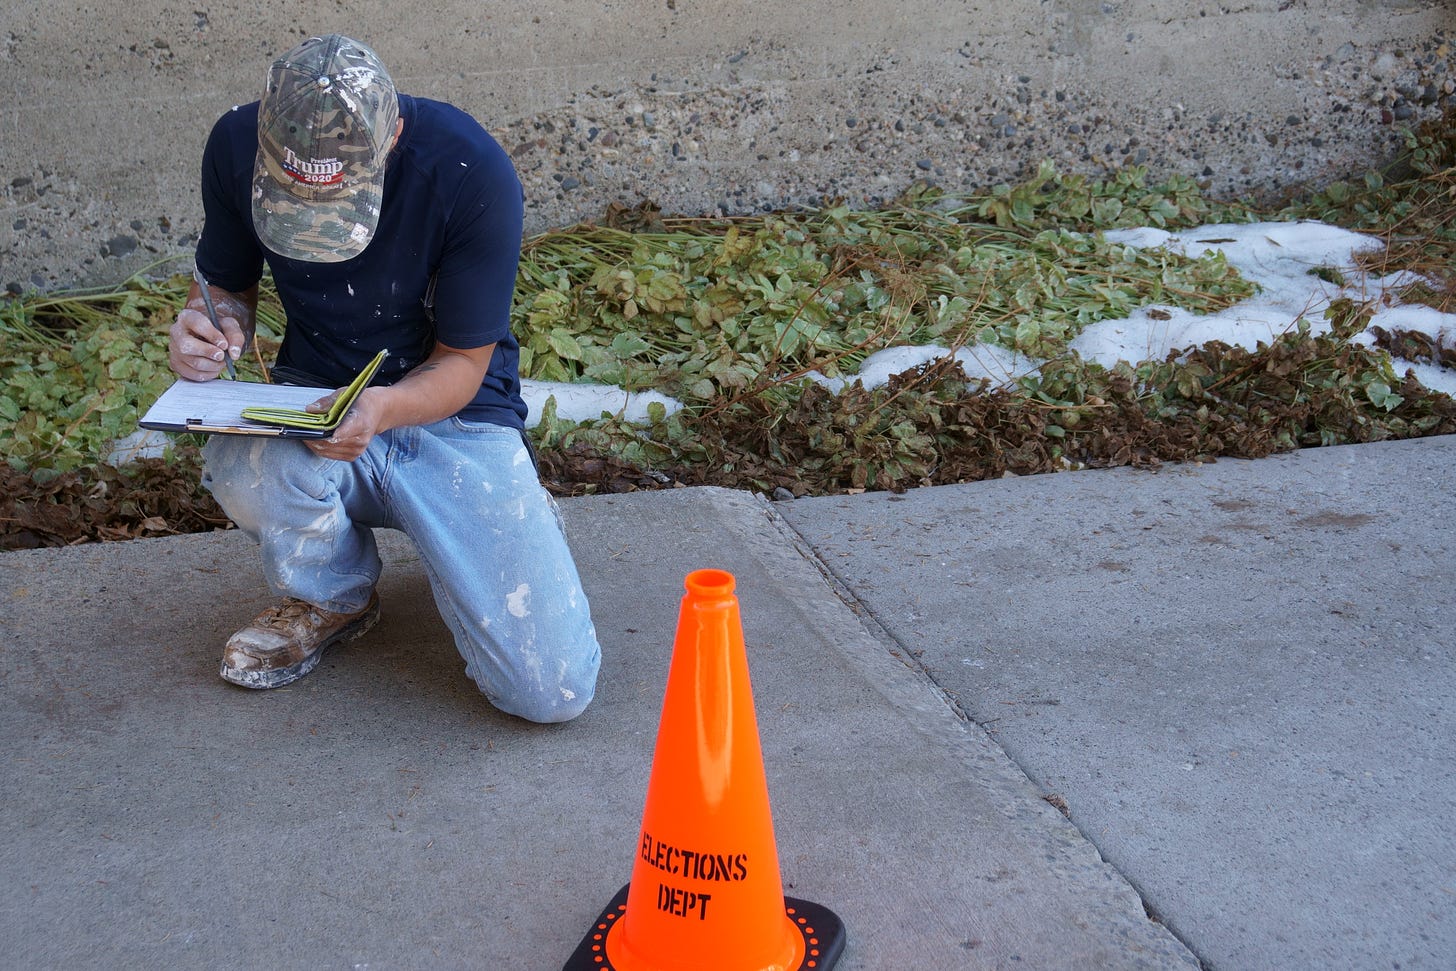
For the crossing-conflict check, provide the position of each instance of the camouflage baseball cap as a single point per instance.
(325, 127)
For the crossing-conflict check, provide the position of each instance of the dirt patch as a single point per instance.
(148, 498)
(1329, 519)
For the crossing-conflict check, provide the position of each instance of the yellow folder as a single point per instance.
(324, 421)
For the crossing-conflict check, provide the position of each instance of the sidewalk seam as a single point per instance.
(880, 633)
(865, 616)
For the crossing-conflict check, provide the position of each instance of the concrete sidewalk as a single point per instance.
(381, 814)
(1237, 679)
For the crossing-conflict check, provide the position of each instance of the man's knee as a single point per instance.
(546, 707)
(559, 710)
(549, 701)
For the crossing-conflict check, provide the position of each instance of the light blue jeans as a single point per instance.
(488, 533)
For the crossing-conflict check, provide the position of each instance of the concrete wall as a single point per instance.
(707, 104)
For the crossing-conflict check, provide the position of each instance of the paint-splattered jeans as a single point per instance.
(490, 537)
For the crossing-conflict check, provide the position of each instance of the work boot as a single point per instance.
(285, 642)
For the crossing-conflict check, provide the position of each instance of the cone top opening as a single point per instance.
(709, 583)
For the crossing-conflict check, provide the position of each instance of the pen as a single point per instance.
(227, 358)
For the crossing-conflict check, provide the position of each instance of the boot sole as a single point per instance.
(278, 677)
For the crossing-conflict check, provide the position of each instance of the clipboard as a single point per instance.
(251, 408)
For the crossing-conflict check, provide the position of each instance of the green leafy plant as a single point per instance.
(736, 318)
(77, 368)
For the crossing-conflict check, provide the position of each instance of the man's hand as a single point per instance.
(195, 348)
(438, 388)
(359, 425)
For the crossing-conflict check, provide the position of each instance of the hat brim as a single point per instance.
(317, 224)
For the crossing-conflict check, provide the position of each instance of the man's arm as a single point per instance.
(195, 348)
(444, 383)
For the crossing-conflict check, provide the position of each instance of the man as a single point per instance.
(388, 222)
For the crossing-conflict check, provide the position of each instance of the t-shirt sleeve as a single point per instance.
(227, 252)
(480, 256)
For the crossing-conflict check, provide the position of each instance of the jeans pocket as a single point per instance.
(485, 429)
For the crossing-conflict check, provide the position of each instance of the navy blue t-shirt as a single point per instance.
(452, 210)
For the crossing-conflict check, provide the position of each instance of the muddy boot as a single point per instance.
(285, 642)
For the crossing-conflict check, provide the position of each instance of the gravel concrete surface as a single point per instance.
(719, 105)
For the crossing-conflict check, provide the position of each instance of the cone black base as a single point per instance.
(821, 928)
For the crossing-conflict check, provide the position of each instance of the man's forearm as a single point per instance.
(439, 387)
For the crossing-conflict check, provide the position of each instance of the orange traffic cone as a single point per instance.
(706, 893)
